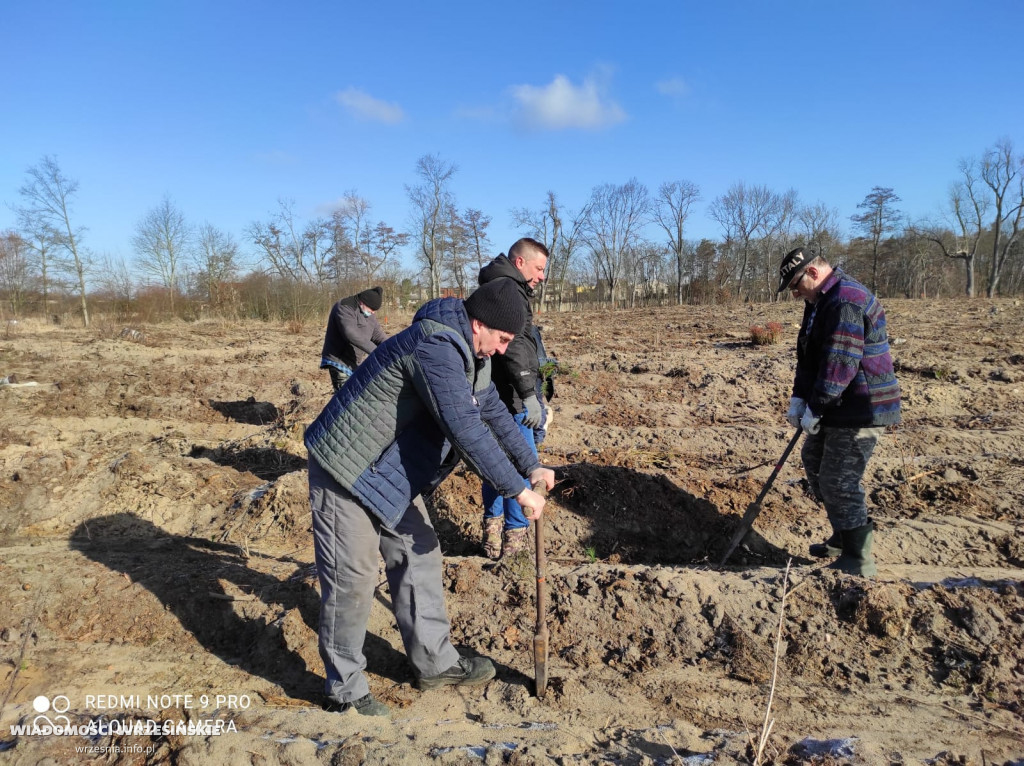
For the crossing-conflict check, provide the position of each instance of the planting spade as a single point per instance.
(540, 638)
(755, 507)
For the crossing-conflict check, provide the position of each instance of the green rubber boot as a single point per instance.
(856, 558)
(828, 549)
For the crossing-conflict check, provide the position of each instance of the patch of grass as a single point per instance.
(591, 554)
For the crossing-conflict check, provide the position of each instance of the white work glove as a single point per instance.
(810, 422)
(534, 415)
(797, 406)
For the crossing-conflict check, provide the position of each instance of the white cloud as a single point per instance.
(366, 107)
(675, 87)
(562, 105)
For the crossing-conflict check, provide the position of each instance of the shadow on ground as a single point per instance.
(267, 463)
(242, 627)
(639, 518)
(248, 411)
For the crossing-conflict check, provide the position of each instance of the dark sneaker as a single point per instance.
(364, 706)
(469, 671)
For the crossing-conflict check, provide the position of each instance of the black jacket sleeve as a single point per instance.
(519, 364)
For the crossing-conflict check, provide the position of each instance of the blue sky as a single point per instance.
(226, 107)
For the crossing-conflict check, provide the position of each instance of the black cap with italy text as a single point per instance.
(794, 261)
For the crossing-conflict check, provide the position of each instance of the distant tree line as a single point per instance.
(625, 246)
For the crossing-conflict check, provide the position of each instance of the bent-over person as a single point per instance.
(420, 402)
(845, 393)
(353, 332)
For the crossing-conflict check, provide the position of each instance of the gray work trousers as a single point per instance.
(834, 461)
(346, 539)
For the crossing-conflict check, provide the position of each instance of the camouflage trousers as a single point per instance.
(834, 461)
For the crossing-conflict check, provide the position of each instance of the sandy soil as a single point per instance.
(155, 540)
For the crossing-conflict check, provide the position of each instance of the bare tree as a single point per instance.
(14, 270)
(671, 209)
(776, 238)
(49, 196)
(643, 267)
(742, 213)
(616, 216)
(476, 223)
(819, 225)
(968, 211)
(216, 258)
(161, 241)
(351, 230)
(300, 255)
(456, 246)
(42, 242)
(116, 282)
(1001, 171)
(544, 225)
(880, 217)
(430, 199)
(378, 245)
(547, 224)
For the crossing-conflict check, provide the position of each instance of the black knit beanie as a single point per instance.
(372, 298)
(499, 305)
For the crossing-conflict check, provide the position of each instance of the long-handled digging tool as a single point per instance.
(540, 638)
(754, 509)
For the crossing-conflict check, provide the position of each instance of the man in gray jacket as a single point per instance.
(352, 334)
(420, 402)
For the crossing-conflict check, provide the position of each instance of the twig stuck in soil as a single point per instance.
(675, 755)
(29, 627)
(766, 728)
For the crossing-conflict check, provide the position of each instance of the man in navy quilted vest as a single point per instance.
(420, 402)
(845, 393)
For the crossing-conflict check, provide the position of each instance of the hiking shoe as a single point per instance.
(514, 540)
(364, 706)
(828, 549)
(468, 671)
(492, 537)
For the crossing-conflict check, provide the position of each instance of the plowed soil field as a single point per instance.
(156, 558)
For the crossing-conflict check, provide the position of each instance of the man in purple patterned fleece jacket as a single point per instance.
(845, 393)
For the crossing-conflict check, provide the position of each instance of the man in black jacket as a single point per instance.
(516, 374)
(352, 334)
